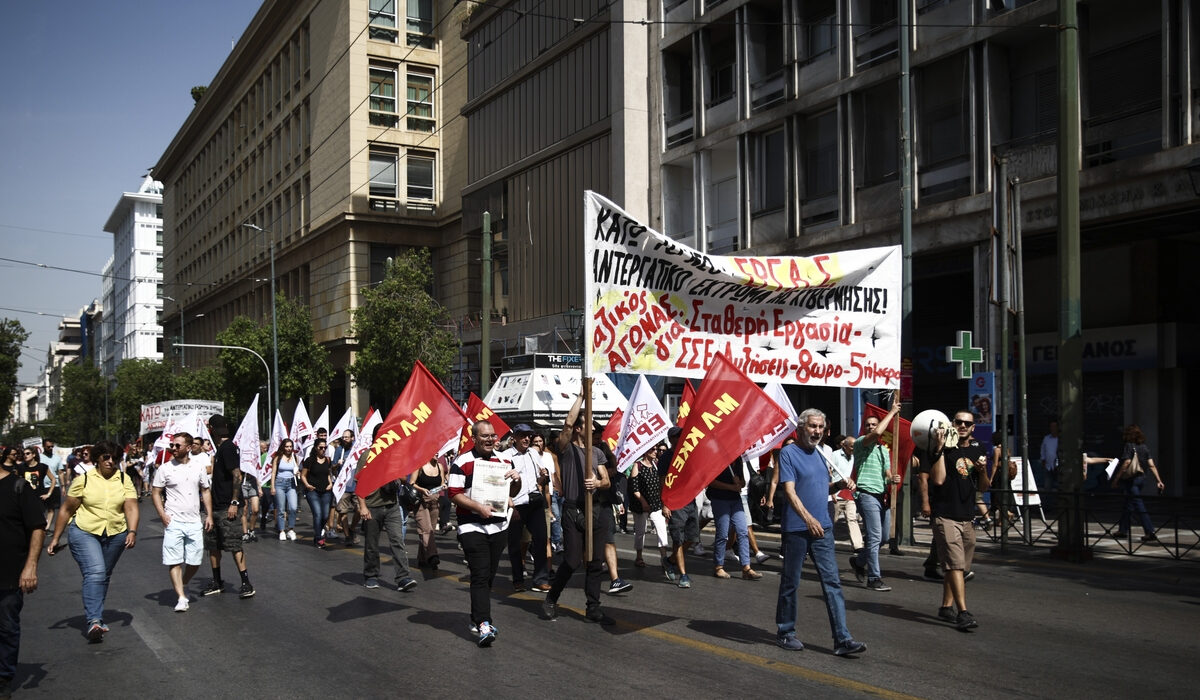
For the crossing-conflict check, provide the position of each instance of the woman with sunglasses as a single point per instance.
(38, 476)
(283, 476)
(100, 516)
(316, 475)
(10, 458)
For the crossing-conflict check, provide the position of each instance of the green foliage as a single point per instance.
(244, 373)
(139, 381)
(198, 93)
(304, 365)
(399, 323)
(206, 383)
(79, 416)
(12, 335)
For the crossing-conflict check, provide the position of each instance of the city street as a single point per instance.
(1116, 627)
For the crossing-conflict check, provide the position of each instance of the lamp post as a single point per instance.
(573, 317)
(270, 415)
(182, 338)
(274, 326)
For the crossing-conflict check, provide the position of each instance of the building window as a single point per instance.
(942, 93)
(877, 133)
(383, 21)
(420, 101)
(420, 176)
(158, 238)
(383, 96)
(383, 180)
(722, 65)
(158, 211)
(420, 23)
(820, 29)
(678, 93)
(158, 264)
(770, 171)
(158, 292)
(820, 156)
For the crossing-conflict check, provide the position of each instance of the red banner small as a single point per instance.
(478, 410)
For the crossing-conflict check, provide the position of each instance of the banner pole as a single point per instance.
(894, 487)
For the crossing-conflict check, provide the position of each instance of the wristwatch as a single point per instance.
(235, 502)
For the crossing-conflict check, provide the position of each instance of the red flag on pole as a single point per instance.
(906, 444)
(612, 431)
(478, 410)
(727, 415)
(685, 402)
(421, 421)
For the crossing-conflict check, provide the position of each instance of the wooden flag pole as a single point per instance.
(588, 467)
(895, 459)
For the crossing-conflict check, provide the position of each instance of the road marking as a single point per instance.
(159, 642)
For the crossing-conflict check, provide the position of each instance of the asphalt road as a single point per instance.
(1120, 627)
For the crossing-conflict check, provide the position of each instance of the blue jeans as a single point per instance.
(876, 521)
(11, 601)
(723, 512)
(97, 556)
(556, 524)
(1135, 505)
(319, 502)
(285, 503)
(797, 544)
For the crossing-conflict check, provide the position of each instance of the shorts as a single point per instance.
(226, 534)
(249, 490)
(955, 541)
(684, 525)
(608, 523)
(347, 504)
(183, 543)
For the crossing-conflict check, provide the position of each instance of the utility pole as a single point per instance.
(485, 329)
(1071, 536)
(904, 529)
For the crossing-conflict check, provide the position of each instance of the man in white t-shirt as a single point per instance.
(185, 483)
(199, 457)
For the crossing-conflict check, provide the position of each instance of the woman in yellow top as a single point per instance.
(102, 511)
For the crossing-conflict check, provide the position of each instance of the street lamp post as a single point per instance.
(274, 326)
(270, 415)
(182, 338)
(574, 319)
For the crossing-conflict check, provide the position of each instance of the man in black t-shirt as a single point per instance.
(226, 532)
(956, 474)
(22, 531)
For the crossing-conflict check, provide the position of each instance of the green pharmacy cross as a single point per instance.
(964, 354)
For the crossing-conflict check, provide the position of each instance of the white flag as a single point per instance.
(279, 433)
(776, 434)
(322, 422)
(246, 439)
(644, 425)
(345, 477)
(302, 433)
(347, 422)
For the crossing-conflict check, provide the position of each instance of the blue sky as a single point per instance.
(93, 92)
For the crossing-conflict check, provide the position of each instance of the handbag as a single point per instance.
(408, 496)
(1135, 466)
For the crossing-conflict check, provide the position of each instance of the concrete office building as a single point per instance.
(131, 287)
(777, 132)
(332, 128)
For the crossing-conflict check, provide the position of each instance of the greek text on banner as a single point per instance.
(657, 306)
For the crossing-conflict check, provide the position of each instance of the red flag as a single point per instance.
(906, 444)
(478, 410)
(685, 402)
(421, 421)
(612, 431)
(727, 415)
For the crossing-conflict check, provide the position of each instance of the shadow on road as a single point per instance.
(360, 607)
(30, 675)
(733, 631)
(457, 623)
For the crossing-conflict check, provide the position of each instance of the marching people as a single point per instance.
(575, 483)
(178, 489)
(22, 533)
(842, 502)
(530, 505)
(100, 517)
(608, 500)
(481, 532)
(873, 476)
(37, 475)
(1130, 474)
(429, 482)
(226, 533)
(380, 510)
(284, 473)
(725, 495)
(683, 524)
(958, 472)
(316, 474)
(646, 504)
(808, 530)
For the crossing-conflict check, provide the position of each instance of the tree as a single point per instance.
(304, 366)
(243, 372)
(198, 93)
(79, 416)
(139, 381)
(398, 323)
(12, 336)
(206, 383)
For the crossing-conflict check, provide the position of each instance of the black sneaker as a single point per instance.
(848, 647)
(214, 588)
(877, 584)
(550, 610)
(947, 613)
(406, 584)
(246, 591)
(965, 621)
(932, 575)
(860, 572)
(596, 615)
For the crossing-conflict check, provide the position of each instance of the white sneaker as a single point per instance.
(760, 557)
(182, 605)
(282, 536)
(291, 535)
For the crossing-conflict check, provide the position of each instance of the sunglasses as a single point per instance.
(967, 423)
(179, 445)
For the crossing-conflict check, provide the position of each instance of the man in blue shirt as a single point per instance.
(806, 527)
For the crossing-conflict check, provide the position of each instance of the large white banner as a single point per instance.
(656, 306)
(155, 416)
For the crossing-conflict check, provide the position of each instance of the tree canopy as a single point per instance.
(12, 336)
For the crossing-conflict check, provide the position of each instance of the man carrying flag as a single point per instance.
(807, 528)
(380, 510)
